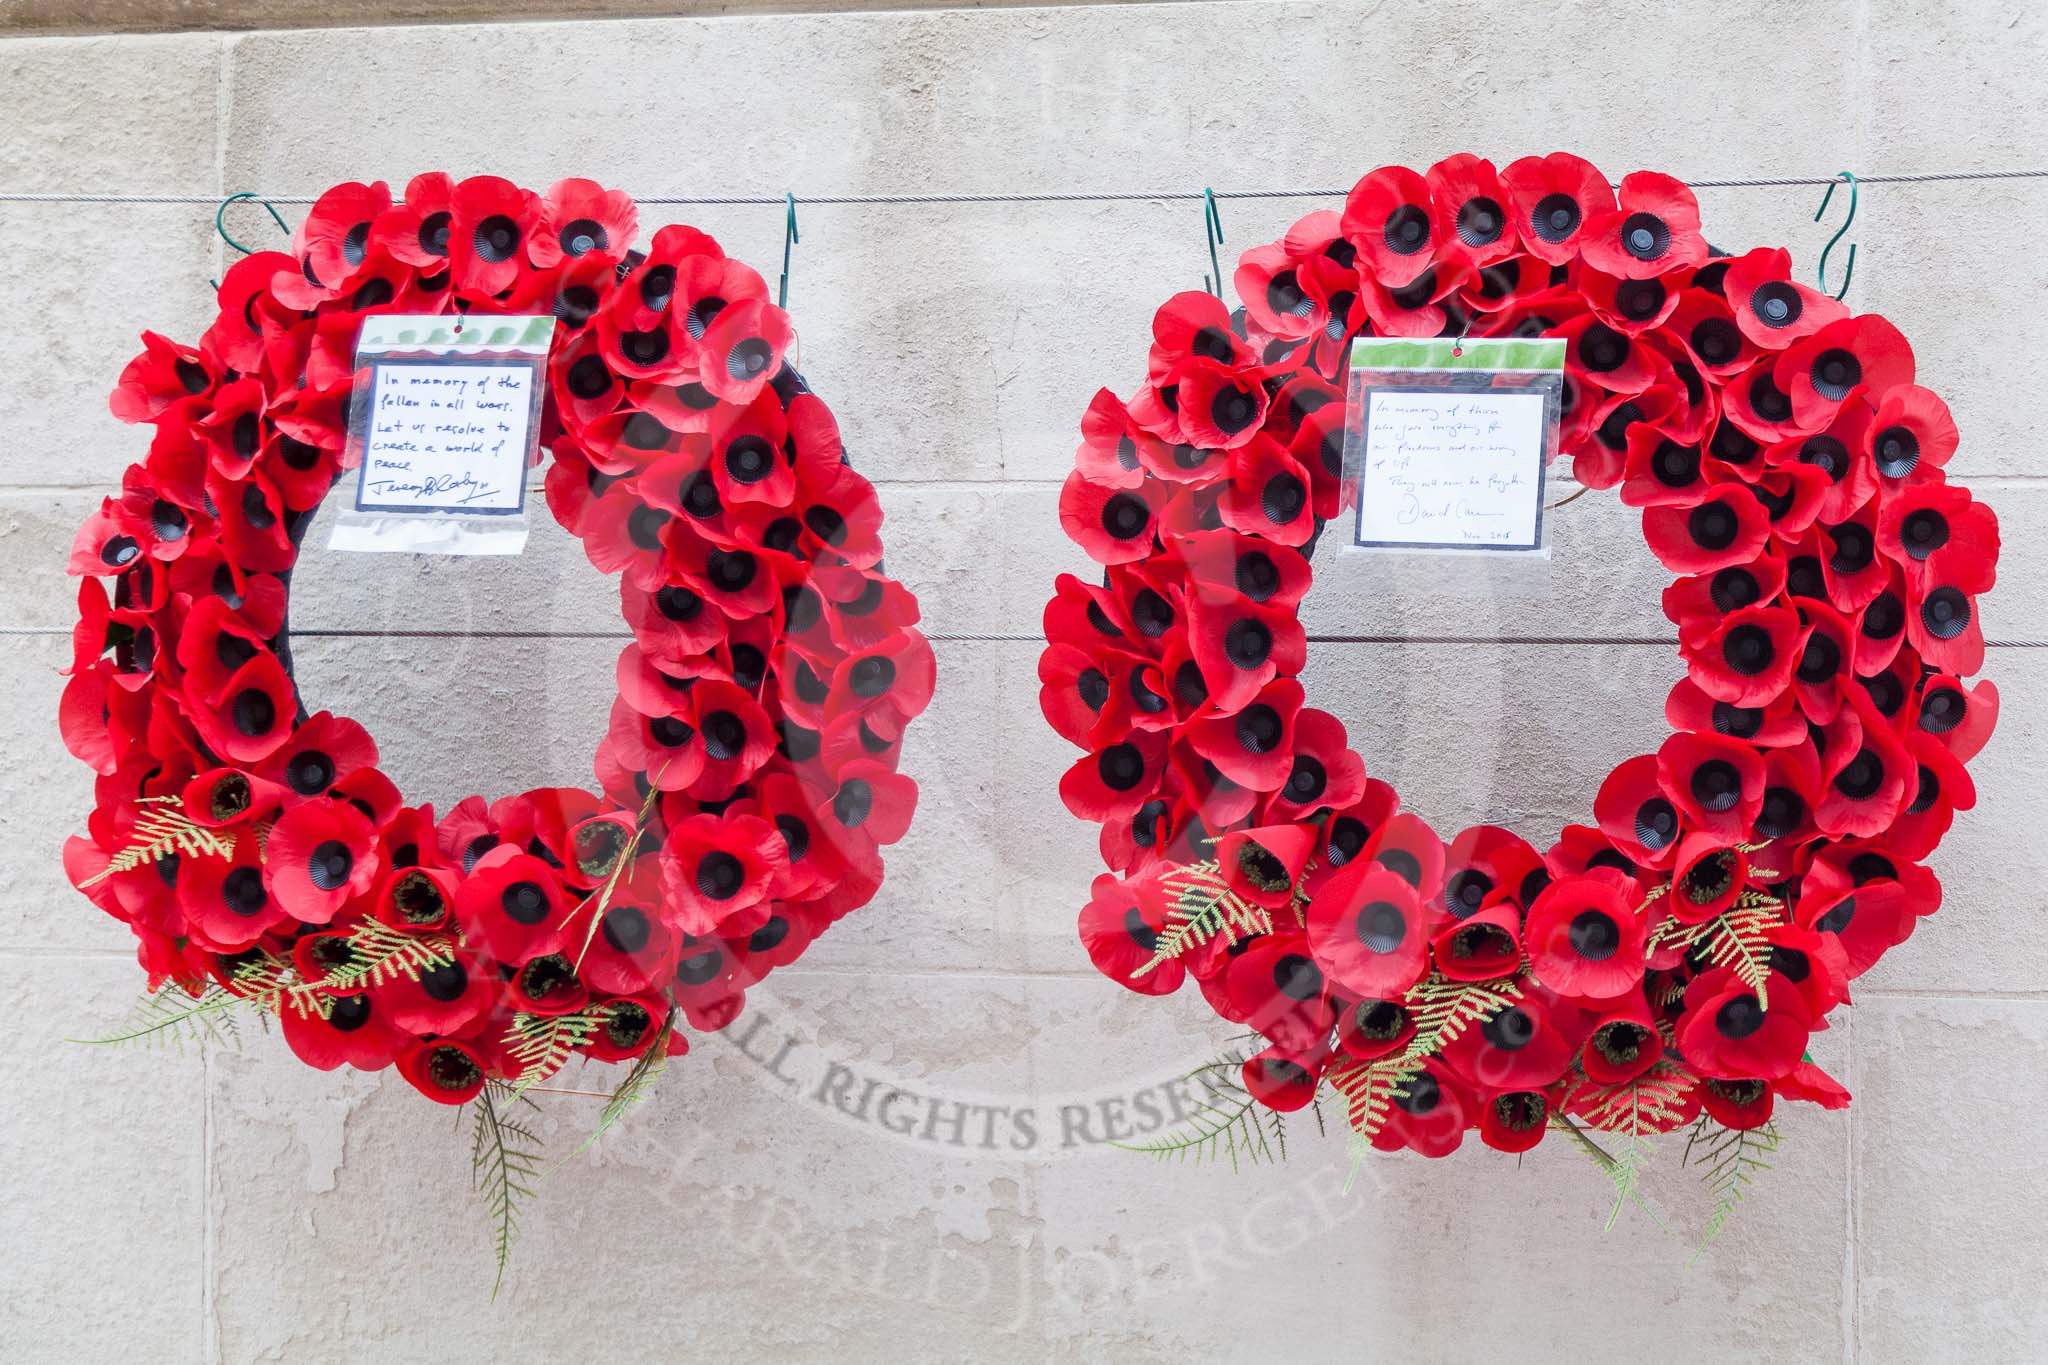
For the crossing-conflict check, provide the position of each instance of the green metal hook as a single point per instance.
(220, 220)
(789, 239)
(1848, 269)
(1212, 229)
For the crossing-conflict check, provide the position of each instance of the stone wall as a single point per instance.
(233, 1205)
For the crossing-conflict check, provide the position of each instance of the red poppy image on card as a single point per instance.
(1668, 960)
(421, 350)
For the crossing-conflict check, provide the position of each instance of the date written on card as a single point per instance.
(448, 436)
(1451, 469)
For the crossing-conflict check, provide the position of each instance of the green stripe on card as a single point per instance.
(1449, 353)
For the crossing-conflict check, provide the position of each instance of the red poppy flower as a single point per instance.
(1623, 1042)
(1523, 1046)
(334, 241)
(1429, 1115)
(1283, 1079)
(1264, 865)
(491, 229)
(1553, 199)
(1716, 783)
(412, 897)
(1473, 221)
(513, 906)
(630, 1026)
(1120, 928)
(715, 871)
(580, 220)
(417, 229)
(1808, 1082)
(1911, 433)
(1868, 774)
(225, 904)
(632, 950)
(162, 377)
(320, 856)
(1195, 325)
(1727, 1033)
(1749, 656)
(1773, 311)
(1937, 533)
(235, 340)
(1116, 780)
(1654, 229)
(1417, 308)
(1640, 816)
(1737, 1104)
(1239, 646)
(1772, 726)
(668, 749)
(1275, 987)
(355, 1033)
(1961, 718)
(1821, 370)
(445, 1070)
(1325, 775)
(1254, 747)
(251, 714)
(1728, 528)
(1269, 495)
(1114, 525)
(322, 751)
(1585, 937)
(1366, 930)
(1943, 627)
(743, 349)
(1388, 217)
(220, 797)
(1371, 1029)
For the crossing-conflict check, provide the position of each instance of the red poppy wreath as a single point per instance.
(1664, 965)
(749, 772)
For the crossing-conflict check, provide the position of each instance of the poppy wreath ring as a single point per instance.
(1674, 955)
(749, 771)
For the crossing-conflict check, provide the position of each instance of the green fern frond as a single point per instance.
(160, 832)
(505, 1168)
(1632, 1112)
(543, 1043)
(268, 983)
(379, 954)
(1226, 1123)
(1444, 1009)
(647, 1069)
(1203, 907)
(171, 1018)
(1732, 1159)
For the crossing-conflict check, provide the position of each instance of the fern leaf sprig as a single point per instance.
(1731, 1160)
(1227, 1123)
(160, 832)
(1204, 906)
(647, 1069)
(171, 1018)
(379, 954)
(542, 1044)
(505, 1167)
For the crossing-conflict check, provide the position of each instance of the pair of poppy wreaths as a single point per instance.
(1731, 885)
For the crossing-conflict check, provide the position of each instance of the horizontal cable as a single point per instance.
(940, 637)
(1089, 197)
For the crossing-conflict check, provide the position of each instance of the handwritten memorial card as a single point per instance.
(1451, 469)
(447, 436)
(444, 425)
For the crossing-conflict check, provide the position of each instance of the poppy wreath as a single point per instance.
(1664, 965)
(749, 773)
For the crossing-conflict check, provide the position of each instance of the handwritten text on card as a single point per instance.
(1458, 469)
(447, 437)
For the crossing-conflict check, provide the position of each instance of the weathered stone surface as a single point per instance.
(1948, 1190)
(105, 1151)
